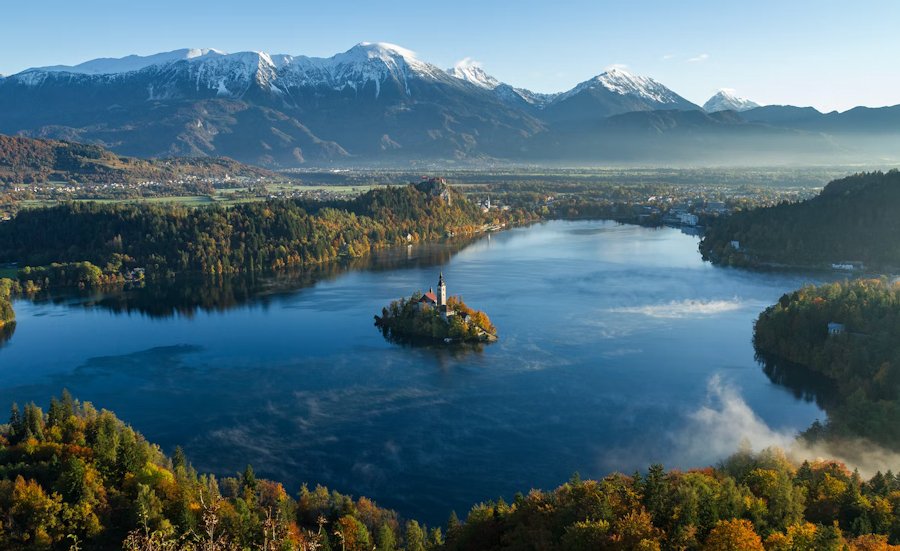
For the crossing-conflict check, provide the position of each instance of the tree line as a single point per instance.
(7, 314)
(854, 219)
(862, 357)
(75, 477)
(246, 238)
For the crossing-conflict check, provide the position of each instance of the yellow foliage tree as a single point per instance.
(733, 535)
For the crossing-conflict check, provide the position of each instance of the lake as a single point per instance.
(618, 347)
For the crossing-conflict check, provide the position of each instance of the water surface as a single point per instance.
(613, 342)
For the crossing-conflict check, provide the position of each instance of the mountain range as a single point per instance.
(379, 103)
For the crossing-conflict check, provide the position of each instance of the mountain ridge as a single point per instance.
(378, 102)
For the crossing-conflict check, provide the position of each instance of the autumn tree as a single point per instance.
(733, 535)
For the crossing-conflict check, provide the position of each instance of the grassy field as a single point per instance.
(187, 200)
(224, 197)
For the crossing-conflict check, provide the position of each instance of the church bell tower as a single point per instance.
(442, 291)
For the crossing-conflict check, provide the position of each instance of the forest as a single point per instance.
(407, 319)
(75, 477)
(862, 356)
(163, 240)
(855, 219)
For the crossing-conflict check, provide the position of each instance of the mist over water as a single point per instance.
(618, 347)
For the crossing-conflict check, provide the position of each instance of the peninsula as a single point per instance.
(433, 316)
(847, 332)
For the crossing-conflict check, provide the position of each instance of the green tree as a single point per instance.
(415, 537)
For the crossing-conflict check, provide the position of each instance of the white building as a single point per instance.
(688, 219)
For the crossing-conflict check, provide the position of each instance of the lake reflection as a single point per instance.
(610, 336)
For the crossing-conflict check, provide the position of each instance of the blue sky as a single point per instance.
(829, 54)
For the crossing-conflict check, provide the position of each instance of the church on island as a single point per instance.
(435, 316)
(439, 301)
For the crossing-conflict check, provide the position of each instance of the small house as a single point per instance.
(835, 329)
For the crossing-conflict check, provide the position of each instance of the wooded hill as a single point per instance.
(862, 357)
(854, 219)
(27, 160)
(167, 239)
(76, 477)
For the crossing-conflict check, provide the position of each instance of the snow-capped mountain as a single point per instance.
(726, 100)
(470, 71)
(270, 109)
(374, 101)
(623, 83)
(208, 70)
(614, 92)
(109, 65)
(366, 64)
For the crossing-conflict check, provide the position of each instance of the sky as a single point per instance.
(825, 53)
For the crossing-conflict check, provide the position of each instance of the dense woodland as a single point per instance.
(854, 219)
(78, 478)
(407, 319)
(251, 237)
(863, 360)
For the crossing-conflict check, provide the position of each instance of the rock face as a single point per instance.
(436, 187)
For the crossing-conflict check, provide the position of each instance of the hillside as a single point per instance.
(854, 219)
(75, 476)
(27, 160)
(249, 237)
(862, 357)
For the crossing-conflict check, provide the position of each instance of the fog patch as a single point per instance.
(683, 308)
(722, 425)
(726, 423)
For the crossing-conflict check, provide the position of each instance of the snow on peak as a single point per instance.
(377, 57)
(624, 83)
(229, 74)
(127, 64)
(469, 70)
(620, 81)
(727, 100)
(383, 50)
(367, 62)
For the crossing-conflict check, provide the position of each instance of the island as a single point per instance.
(435, 317)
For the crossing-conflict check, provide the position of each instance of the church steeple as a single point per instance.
(442, 291)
